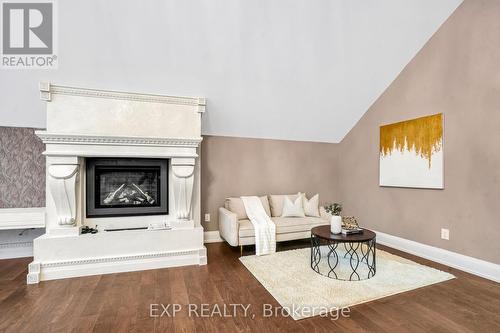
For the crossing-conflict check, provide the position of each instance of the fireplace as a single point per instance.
(102, 167)
(126, 187)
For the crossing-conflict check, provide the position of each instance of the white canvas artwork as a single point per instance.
(411, 153)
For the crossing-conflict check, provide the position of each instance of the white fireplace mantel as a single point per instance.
(84, 123)
(111, 146)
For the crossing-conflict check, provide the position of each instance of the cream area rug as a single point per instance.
(304, 293)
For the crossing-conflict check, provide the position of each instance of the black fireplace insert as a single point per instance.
(126, 187)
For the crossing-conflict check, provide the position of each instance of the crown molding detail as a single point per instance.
(50, 138)
(47, 90)
(117, 258)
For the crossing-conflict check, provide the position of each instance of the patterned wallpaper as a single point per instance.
(22, 168)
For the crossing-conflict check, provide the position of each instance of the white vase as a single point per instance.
(336, 224)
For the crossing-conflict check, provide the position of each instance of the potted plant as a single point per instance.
(335, 209)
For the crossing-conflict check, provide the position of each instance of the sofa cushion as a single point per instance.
(293, 209)
(236, 206)
(283, 225)
(276, 203)
(311, 206)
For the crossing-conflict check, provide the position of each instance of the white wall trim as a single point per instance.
(116, 140)
(16, 250)
(42, 271)
(22, 218)
(462, 262)
(212, 237)
(47, 90)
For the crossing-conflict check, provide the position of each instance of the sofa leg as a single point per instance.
(241, 250)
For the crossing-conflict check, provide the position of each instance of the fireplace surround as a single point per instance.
(126, 187)
(156, 164)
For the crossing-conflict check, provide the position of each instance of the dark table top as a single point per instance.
(323, 231)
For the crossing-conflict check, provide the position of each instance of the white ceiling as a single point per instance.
(285, 69)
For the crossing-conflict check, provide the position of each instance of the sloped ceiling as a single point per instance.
(284, 69)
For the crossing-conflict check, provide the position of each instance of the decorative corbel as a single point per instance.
(183, 178)
(62, 183)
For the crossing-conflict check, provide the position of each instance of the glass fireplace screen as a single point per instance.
(127, 187)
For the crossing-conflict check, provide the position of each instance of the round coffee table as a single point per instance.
(363, 242)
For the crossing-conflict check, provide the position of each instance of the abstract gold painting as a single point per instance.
(411, 153)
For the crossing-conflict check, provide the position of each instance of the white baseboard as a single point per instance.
(462, 262)
(22, 218)
(128, 263)
(212, 237)
(16, 250)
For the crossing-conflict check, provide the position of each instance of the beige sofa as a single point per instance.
(236, 229)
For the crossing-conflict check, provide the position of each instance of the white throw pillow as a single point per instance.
(276, 203)
(293, 209)
(311, 206)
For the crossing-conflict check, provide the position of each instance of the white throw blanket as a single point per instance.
(265, 229)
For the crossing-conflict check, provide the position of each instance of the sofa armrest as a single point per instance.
(323, 214)
(228, 226)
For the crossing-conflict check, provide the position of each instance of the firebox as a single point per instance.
(126, 187)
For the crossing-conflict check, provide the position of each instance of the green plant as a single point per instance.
(334, 209)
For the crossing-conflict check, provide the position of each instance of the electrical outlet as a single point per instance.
(445, 234)
(207, 217)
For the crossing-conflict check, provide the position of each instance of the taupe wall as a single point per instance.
(240, 166)
(22, 168)
(457, 73)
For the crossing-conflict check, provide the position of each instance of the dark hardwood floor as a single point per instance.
(121, 302)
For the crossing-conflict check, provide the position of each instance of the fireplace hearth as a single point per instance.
(126, 187)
